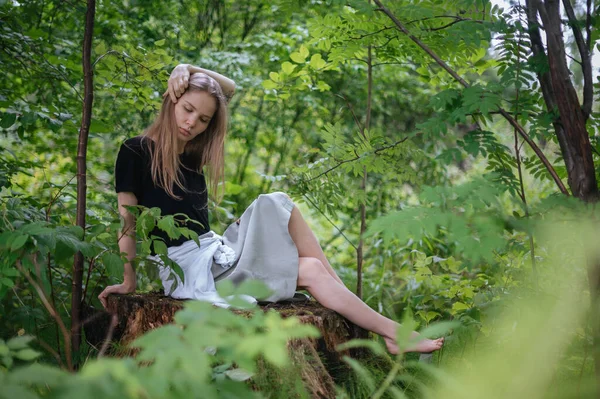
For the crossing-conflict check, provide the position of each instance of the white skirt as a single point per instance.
(259, 247)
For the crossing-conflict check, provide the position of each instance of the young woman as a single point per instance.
(271, 241)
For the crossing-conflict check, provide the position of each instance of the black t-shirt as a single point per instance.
(133, 174)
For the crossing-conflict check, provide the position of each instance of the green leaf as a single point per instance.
(276, 355)
(239, 374)
(19, 342)
(100, 49)
(274, 77)
(159, 43)
(317, 62)
(8, 119)
(167, 224)
(269, 84)
(7, 282)
(38, 374)
(254, 288)
(458, 306)
(439, 329)
(304, 51)
(113, 264)
(97, 126)
(145, 223)
(10, 391)
(374, 346)
(232, 188)
(160, 247)
(288, 67)
(7, 361)
(298, 58)
(27, 354)
(18, 242)
(363, 373)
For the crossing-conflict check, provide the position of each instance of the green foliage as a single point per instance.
(469, 215)
(16, 348)
(439, 248)
(208, 349)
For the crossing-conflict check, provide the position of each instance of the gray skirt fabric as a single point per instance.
(263, 246)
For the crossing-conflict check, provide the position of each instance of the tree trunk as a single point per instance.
(76, 289)
(573, 137)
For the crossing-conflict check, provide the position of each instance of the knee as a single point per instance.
(310, 271)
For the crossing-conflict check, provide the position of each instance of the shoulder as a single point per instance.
(135, 142)
(136, 146)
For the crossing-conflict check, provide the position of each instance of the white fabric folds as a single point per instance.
(196, 263)
(259, 247)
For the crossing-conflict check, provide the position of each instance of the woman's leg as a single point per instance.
(307, 243)
(315, 277)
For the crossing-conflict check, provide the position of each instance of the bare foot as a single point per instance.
(423, 346)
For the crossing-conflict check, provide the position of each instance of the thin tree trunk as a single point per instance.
(81, 173)
(241, 171)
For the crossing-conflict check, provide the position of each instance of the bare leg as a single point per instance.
(307, 243)
(315, 277)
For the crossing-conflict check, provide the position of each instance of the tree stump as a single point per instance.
(315, 360)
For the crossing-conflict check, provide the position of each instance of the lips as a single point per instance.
(185, 132)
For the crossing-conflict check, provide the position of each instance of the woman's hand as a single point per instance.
(115, 289)
(178, 81)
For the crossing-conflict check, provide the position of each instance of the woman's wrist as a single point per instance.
(129, 285)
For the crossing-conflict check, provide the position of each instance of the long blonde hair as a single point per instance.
(207, 148)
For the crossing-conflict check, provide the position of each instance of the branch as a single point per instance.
(50, 310)
(111, 329)
(433, 55)
(372, 33)
(452, 73)
(51, 350)
(586, 61)
(588, 25)
(356, 121)
(329, 220)
(456, 17)
(357, 157)
(109, 52)
(575, 60)
(454, 22)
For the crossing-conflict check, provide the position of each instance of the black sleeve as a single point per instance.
(128, 170)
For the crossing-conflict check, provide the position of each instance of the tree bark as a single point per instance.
(88, 81)
(575, 143)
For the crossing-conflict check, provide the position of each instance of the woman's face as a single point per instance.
(193, 112)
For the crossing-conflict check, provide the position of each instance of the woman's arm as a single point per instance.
(178, 81)
(126, 244)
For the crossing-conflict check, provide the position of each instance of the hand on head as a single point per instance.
(178, 82)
